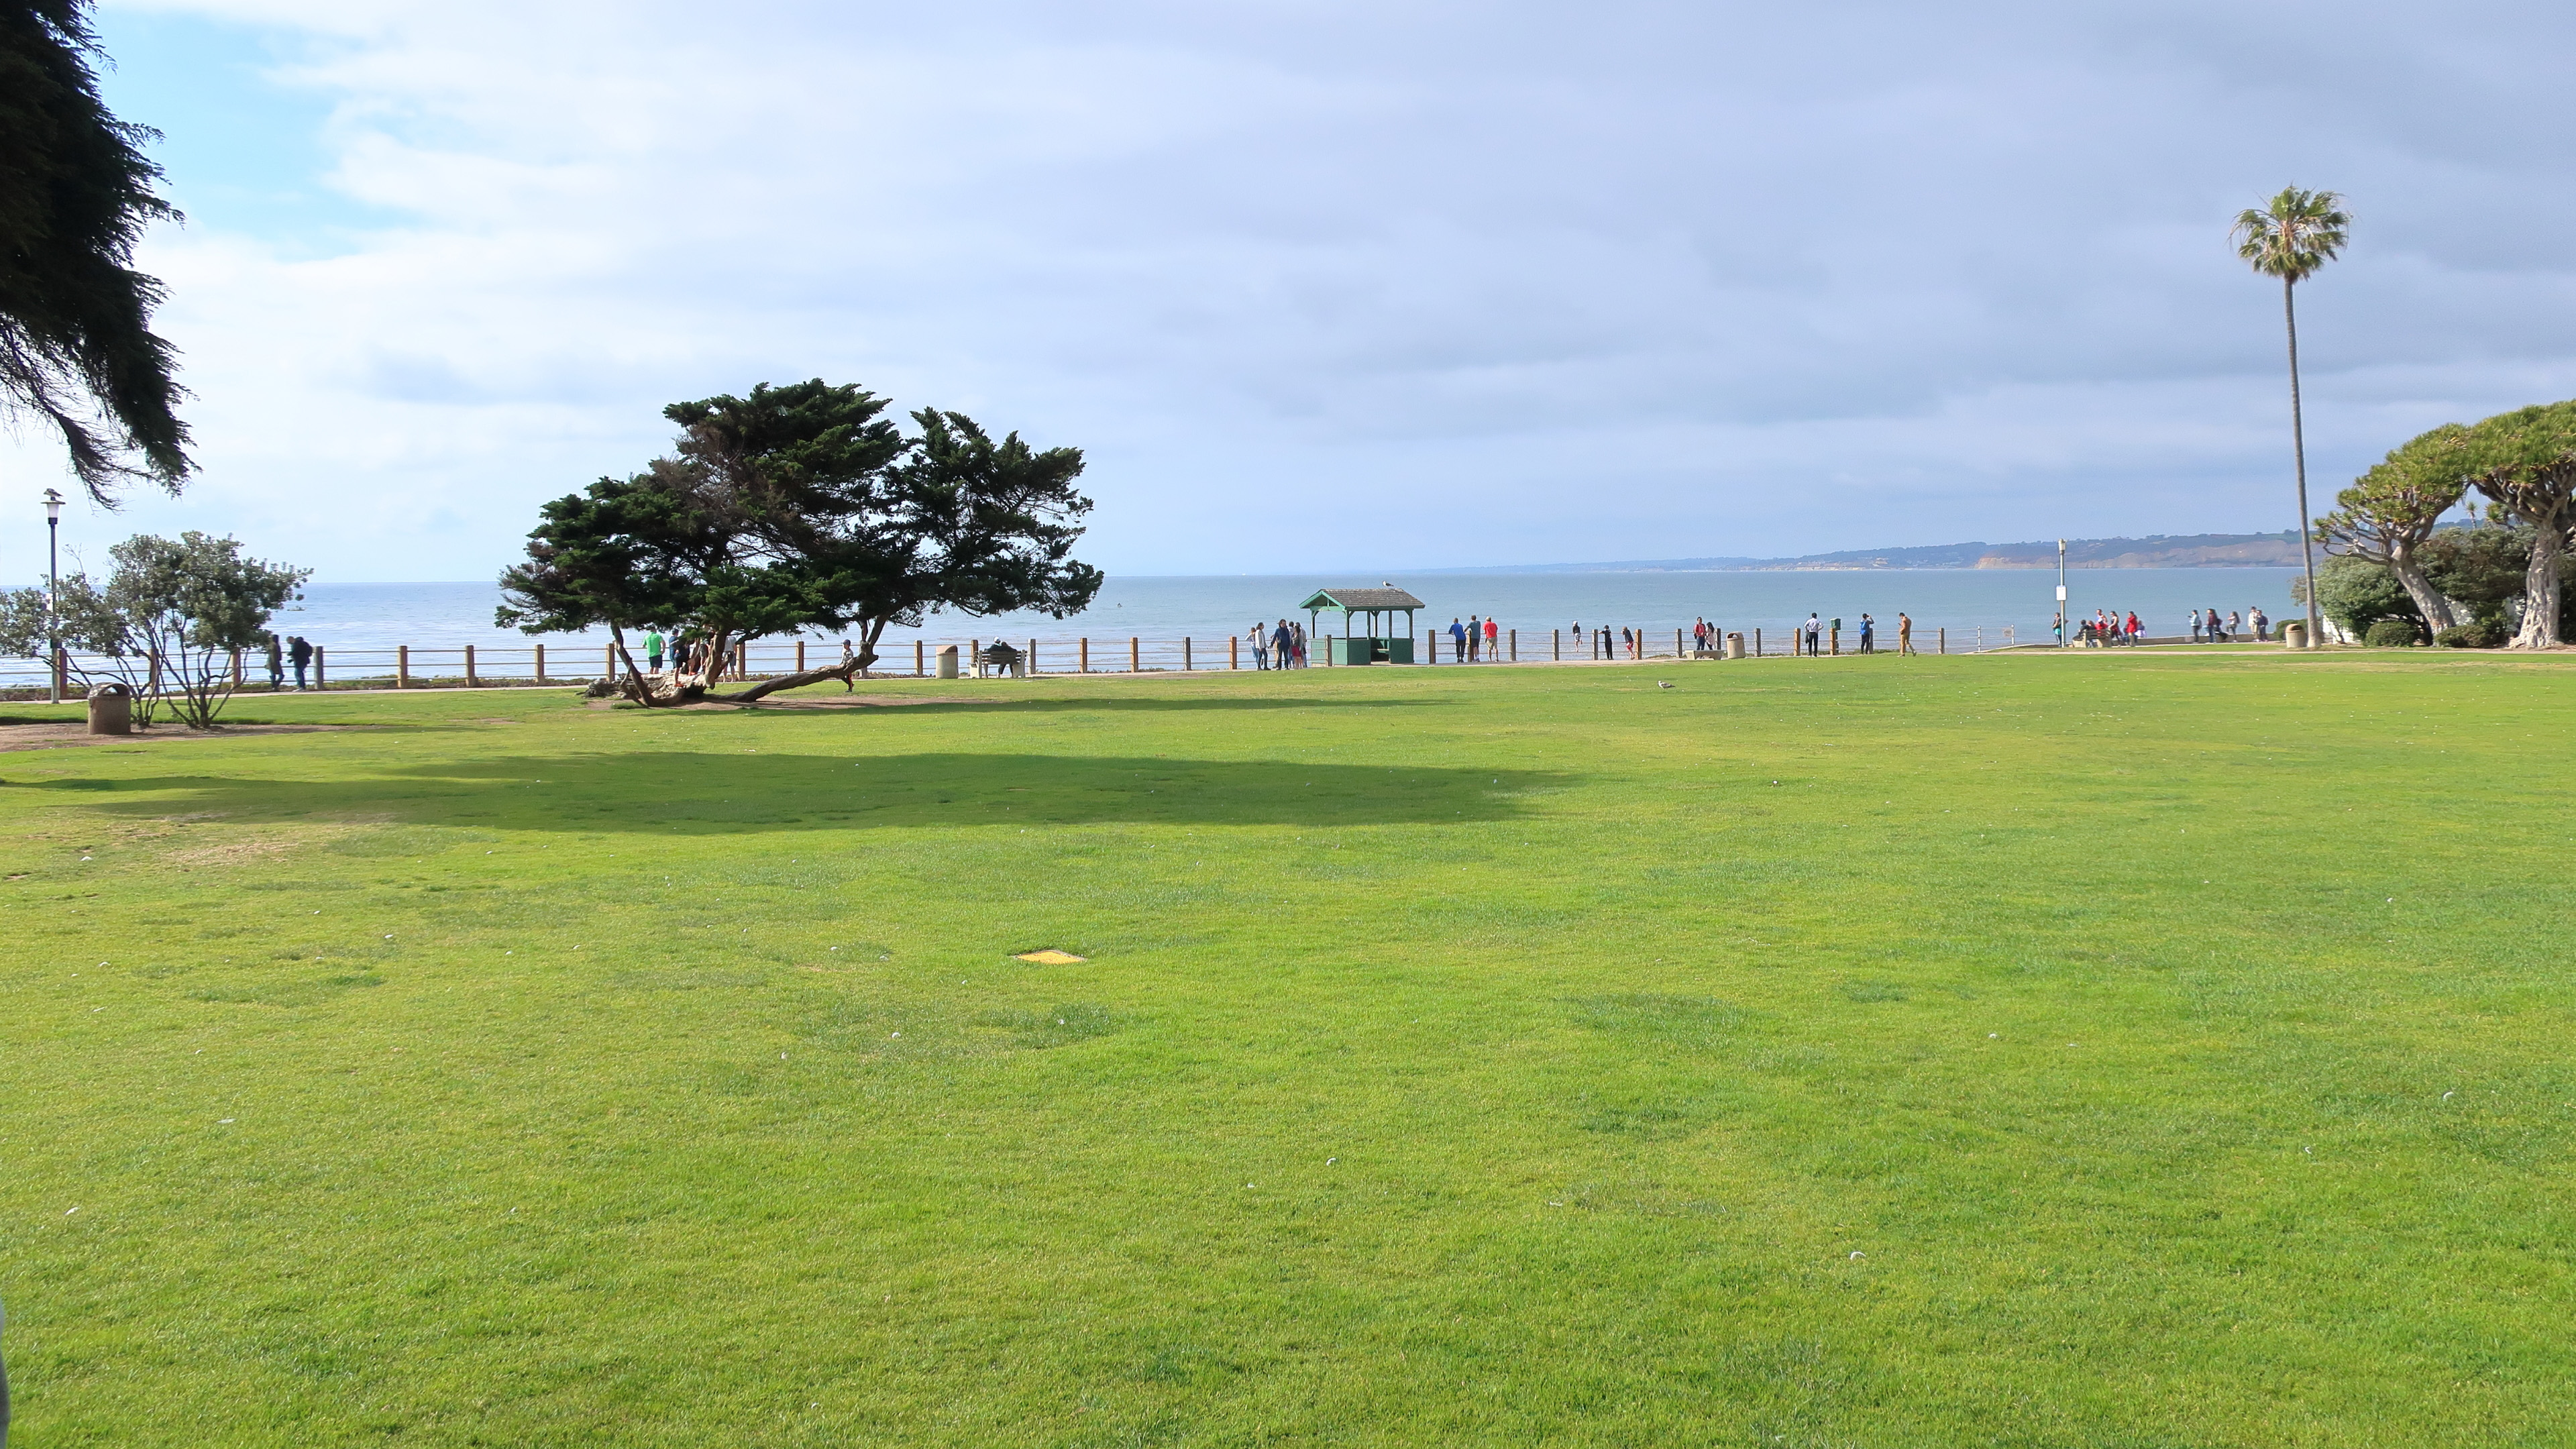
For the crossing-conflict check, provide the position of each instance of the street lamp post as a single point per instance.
(2061, 593)
(53, 587)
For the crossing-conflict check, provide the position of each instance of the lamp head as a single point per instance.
(53, 504)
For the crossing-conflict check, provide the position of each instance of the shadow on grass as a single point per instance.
(1085, 704)
(677, 793)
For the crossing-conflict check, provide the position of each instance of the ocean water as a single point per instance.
(361, 624)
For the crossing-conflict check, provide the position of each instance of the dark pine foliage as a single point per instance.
(802, 507)
(76, 344)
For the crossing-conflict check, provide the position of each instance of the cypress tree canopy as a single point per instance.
(76, 344)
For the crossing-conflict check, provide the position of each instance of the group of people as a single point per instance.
(1817, 635)
(294, 649)
(1277, 646)
(2207, 627)
(1476, 639)
(2111, 628)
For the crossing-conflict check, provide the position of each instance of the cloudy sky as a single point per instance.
(1344, 285)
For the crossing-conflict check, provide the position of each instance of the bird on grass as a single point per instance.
(1663, 684)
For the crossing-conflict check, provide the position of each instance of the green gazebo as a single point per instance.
(1377, 646)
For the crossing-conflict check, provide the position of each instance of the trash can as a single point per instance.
(111, 710)
(2294, 634)
(1735, 646)
(948, 661)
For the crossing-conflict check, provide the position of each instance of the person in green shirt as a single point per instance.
(653, 650)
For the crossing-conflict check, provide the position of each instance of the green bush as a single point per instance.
(2477, 634)
(2391, 634)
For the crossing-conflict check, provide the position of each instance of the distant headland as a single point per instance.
(2157, 551)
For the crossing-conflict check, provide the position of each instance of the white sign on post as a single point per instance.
(2061, 593)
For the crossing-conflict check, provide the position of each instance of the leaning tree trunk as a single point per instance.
(847, 671)
(2429, 601)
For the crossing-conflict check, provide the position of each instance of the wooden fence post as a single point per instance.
(1834, 638)
(1233, 651)
(541, 664)
(470, 680)
(1677, 643)
(1086, 655)
(1516, 646)
(1945, 639)
(402, 665)
(975, 658)
(1757, 641)
(1029, 665)
(317, 668)
(917, 670)
(800, 656)
(1135, 656)
(1185, 653)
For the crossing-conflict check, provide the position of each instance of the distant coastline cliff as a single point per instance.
(2159, 551)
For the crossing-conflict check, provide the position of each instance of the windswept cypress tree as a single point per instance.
(76, 343)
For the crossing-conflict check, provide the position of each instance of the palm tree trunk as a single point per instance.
(2299, 453)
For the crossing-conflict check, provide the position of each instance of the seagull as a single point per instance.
(1663, 684)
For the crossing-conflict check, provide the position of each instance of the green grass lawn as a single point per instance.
(2093, 1050)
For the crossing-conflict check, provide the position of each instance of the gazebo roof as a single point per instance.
(1361, 600)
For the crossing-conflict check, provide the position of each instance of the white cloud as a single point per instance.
(1381, 285)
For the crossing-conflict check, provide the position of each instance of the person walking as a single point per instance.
(276, 664)
(300, 654)
(2262, 623)
(1281, 644)
(2136, 628)
(653, 650)
(1904, 633)
(2215, 636)
(2235, 625)
(1297, 641)
(1259, 638)
(2195, 626)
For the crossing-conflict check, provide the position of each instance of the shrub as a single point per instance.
(2391, 634)
(2477, 634)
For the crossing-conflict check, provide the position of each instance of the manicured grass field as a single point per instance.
(2055, 1050)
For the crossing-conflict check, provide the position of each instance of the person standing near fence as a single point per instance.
(301, 653)
(1814, 629)
(1259, 639)
(1904, 633)
(1492, 633)
(276, 662)
(1283, 646)
(1868, 635)
(2262, 623)
(653, 650)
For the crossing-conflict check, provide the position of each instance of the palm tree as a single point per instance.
(2290, 239)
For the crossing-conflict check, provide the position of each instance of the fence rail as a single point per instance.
(431, 667)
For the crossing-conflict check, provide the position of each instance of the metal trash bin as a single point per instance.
(111, 710)
(1735, 646)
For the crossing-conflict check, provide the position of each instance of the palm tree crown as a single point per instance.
(2298, 233)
